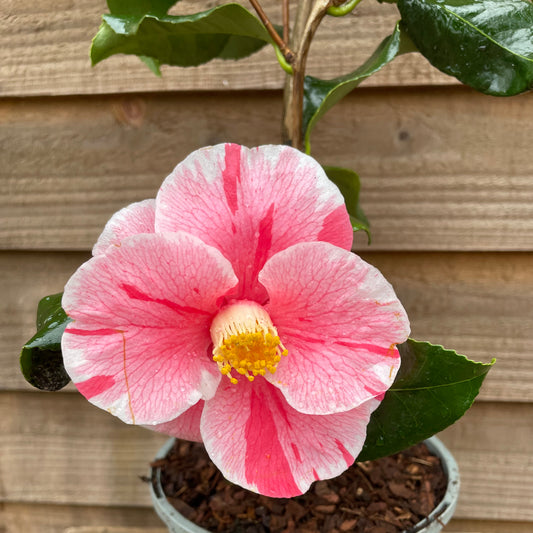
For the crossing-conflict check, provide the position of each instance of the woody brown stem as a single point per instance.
(280, 43)
(285, 16)
(308, 17)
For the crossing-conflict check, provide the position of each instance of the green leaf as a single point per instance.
(41, 361)
(487, 44)
(128, 14)
(140, 7)
(152, 64)
(349, 184)
(434, 388)
(322, 95)
(225, 32)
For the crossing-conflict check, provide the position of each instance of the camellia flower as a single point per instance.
(230, 310)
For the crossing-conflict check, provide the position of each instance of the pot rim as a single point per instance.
(440, 516)
(446, 508)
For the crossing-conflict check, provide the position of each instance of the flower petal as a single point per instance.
(132, 220)
(260, 442)
(186, 426)
(251, 203)
(138, 345)
(340, 321)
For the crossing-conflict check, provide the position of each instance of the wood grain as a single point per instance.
(44, 50)
(476, 304)
(39, 518)
(429, 183)
(486, 526)
(495, 461)
(59, 449)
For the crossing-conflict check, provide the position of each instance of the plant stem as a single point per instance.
(343, 9)
(309, 14)
(286, 23)
(281, 44)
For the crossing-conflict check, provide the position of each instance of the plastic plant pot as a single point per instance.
(434, 522)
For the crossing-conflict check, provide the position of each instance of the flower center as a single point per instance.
(245, 340)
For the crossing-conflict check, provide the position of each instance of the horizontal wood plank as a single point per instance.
(476, 304)
(487, 526)
(60, 449)
(42, 518)
(495, 461)
(428, 182)
(44, 50)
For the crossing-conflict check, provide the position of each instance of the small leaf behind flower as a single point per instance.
(225, 32)
(349, 185)
(434, 388)
(487, 44)
(41, 360)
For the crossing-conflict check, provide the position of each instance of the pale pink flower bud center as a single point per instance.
(245, 340)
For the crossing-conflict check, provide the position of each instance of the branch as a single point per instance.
(285, 9)
(308, 17)
(280, 43)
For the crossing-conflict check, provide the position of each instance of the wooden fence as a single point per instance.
(447, 184)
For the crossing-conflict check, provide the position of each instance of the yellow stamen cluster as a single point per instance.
(246, 341)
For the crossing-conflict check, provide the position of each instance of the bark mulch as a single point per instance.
(388, 495)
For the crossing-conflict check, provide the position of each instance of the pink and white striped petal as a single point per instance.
(186, 426)
(260, 442)
(139, 342)
(340, 320)
(252, 203)
(131, 220)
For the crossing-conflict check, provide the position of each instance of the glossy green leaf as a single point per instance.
(487, 44)
(41, 361)
(140, 7)
(434, 388)
(349, 184)
(126, 15)
(322, 95)
(225, 32)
